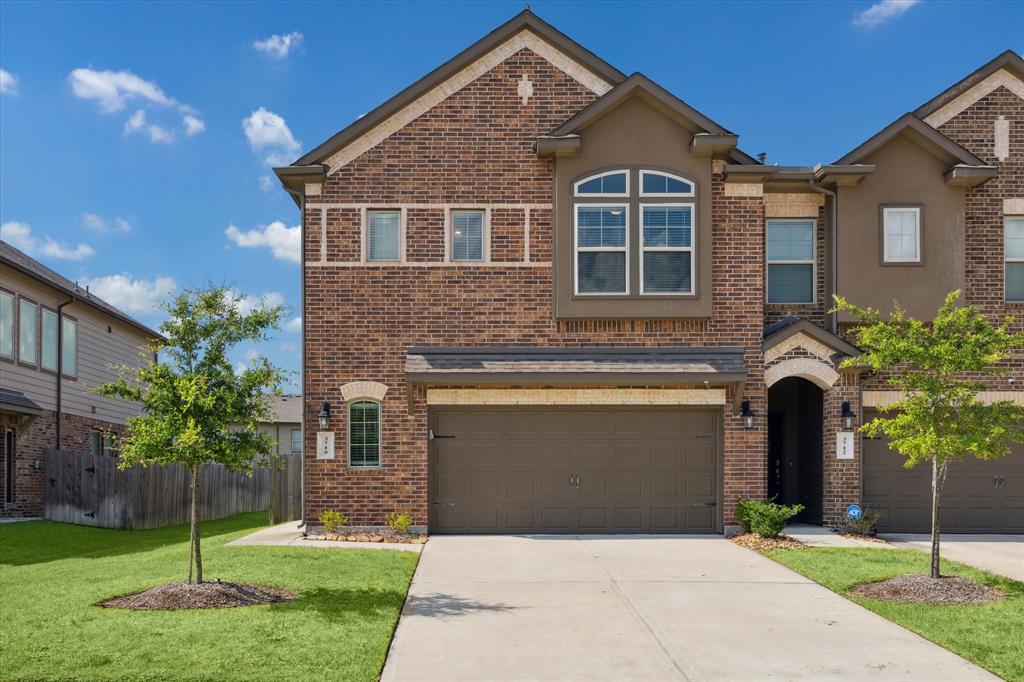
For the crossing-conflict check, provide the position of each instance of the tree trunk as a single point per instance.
(195, 551)
(938, 479)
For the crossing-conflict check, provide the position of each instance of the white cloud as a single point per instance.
(268, 132)
(19, 235)
(240, 368)
(290, 347)
(113, 90)
(97, 223)
(138, 123)
(8, 83)
(294, 324)
(881, 12)
(193, 125)
(266, 183)
(130, 294)
(283, 241)
(251, 354)
(279, 45)
(246, 303)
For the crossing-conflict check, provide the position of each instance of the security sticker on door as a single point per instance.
(844, 445)
(325, 444)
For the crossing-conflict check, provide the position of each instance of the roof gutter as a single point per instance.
(300, 200)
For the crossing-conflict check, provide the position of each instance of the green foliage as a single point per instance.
(399, 522)
(766, 519)
(940, 366)
(332, 520)
(865, 525)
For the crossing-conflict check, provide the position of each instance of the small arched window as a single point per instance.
(658, 184)
(364, 434)
(610, 184)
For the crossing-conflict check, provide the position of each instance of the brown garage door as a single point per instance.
(554, 470)
(979, 496)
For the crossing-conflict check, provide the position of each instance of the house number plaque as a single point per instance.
(325, 444)
(844, 445)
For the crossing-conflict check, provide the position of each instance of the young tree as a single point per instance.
(196, 409)
(940, 367)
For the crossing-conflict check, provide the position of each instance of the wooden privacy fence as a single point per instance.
(90, 490)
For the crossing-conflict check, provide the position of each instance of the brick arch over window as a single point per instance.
(363, 389)
(819, 373)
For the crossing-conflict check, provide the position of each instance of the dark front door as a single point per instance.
(776, 457)
(575, 470)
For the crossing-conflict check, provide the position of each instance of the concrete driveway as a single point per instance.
(1002, 554)
(640, 608)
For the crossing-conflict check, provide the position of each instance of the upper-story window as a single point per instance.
(7, 325)
(1013, 252)
(69, 347)
(28, 332)
(383, 235)
(791, 263)
(666, 266)
(610, 184)
(657, 184)
(901, 234)
(601, 249)
(467, 237)
(49, 336)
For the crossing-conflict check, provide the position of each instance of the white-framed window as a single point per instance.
(666, 248)
(901, 234)
(383, 235)
(791, 261)
(468, 235)
(69, 347)
(602, 249)
(7, 325)
(364, 434)
(48, 359)
(658, 184)
(1013, 254)
(28, 332)
(608, 184)
(296, 440)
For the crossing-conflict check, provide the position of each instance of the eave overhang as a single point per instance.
(844, 175)
(564, 145)
(295, 178)
(969, 176)
(713, 145)
(744, 173)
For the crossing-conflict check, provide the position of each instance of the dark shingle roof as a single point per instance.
(286, 409)
(16, 401)
(33, 268)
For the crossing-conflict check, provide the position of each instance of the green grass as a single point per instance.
(52, 574)
(990, 635)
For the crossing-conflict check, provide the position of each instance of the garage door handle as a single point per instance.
(705, 504)
(444, 504)
(437, 435)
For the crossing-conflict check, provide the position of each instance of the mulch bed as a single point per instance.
(207, 595)
(760, 544)
(866, 538)
(916, 587)
(370, 535)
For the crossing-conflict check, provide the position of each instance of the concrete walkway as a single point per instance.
(640, 608)
(288, 535)
(819, 536)
(1002, 554)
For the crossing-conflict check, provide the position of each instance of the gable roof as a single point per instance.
(525, 20)
(918, 131)
(1009, 60)
(19, 260)
(776, 333)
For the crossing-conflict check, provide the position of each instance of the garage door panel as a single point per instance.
(513, 470)
(701, 424)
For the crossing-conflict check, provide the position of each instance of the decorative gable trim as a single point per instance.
(799, 340)
(956, 106)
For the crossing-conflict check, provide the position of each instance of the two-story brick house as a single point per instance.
(542, 296)
(57, 343)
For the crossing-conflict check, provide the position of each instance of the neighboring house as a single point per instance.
(542, 296)
(57, 343)
(286, 423)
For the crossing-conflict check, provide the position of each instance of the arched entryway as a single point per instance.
(795, 464)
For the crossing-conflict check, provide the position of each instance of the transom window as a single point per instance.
(654, 183)
(791, 263)
(383, 235)
(901, 239)
(1013, 252)
(601, 251)
(467, 235)
(666, 265)
(610, 184)
(364, 434)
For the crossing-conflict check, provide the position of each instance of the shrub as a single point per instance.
(399, 522)
(766, 519)
(332, 521)
(865, 525)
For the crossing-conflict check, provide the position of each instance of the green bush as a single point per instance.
(766, 519)
(332, 521)
(865, 525)
(399, 522)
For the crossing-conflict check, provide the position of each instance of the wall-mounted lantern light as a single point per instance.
(748, 415)
(325, 415)
(848, 415)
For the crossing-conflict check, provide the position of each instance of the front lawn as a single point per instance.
(52, 574)
(989, 635)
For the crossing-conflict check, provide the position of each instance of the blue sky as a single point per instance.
(139, 204)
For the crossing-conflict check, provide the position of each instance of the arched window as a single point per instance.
(658, 184)
(364, 434)
(610, 184)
